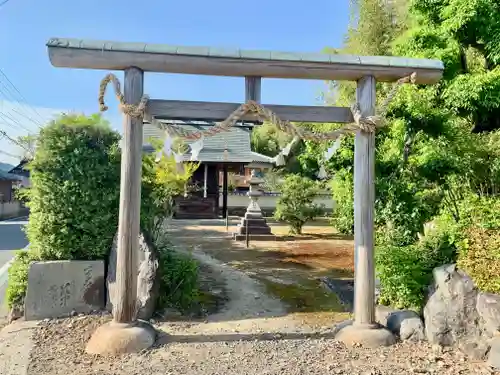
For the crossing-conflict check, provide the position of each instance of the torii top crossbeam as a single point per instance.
(90, 54)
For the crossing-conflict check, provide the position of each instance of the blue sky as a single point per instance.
(26, 25)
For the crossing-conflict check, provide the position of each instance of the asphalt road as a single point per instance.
(12, 238)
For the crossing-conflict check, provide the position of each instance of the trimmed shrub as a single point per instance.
(296, 204)
(74, 192)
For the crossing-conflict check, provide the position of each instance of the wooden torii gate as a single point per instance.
(124, 334)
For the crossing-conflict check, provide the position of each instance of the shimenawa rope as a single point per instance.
(366, 124)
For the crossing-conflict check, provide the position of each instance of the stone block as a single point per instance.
(58, 288)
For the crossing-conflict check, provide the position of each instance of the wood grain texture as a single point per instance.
(125, 308)
(364, 203)
(216, 111)
(88, 54)
(253, 89)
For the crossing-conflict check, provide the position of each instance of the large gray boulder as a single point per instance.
(457, 314)
(147, 278)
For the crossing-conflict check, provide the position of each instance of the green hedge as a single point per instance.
(74, 192)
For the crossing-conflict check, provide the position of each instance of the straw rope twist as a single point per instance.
(363, 123)
(131, 110)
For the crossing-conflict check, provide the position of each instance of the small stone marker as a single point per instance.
(57, 288)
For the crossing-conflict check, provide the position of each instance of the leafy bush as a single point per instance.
(272, 181)
(296, 204)
(73, 198)
(343, 197)
(473, 241)
(162, 181)
(18, 277)
(405, 272)
(178, 278)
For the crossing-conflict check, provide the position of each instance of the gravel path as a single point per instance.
(59, 351)
(252, 335)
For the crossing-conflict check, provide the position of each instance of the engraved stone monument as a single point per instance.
(254, 221)
(58, 288)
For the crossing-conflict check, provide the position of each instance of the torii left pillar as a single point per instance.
(124, 334)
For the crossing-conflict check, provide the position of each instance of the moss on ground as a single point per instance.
(308, 296)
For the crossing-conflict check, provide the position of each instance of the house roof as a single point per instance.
(20, 169)
(6, 176)
(237, 141)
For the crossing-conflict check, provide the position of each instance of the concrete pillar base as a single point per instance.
(120, 338)
(368, 336)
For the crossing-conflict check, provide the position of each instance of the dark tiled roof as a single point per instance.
(237, 141)
(20, 169)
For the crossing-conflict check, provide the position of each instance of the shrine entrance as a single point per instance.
(362, 120)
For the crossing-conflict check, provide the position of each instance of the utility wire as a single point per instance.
(4, 2)
(10, 98)
(15, 121)
(5, 135)
(9, 154)
(13, 91)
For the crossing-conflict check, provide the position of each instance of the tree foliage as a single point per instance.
(296, 204)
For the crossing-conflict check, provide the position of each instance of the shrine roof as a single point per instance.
(237, 141)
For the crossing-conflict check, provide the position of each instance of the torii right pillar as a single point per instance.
(364, 330)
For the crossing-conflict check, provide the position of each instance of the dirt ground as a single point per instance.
(276, 318)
